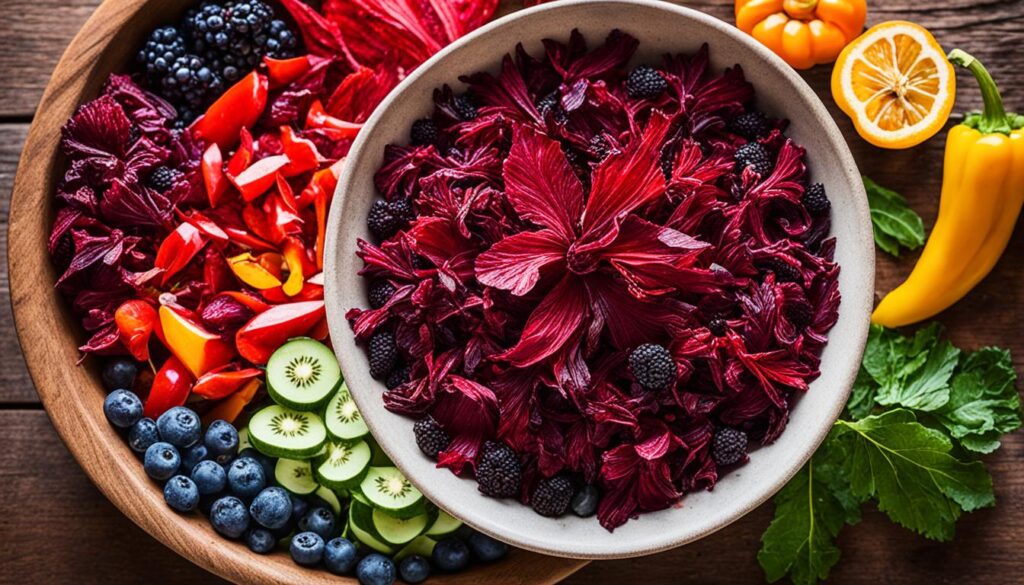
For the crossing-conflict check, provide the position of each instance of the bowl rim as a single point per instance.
(72, 396)
(855, 344)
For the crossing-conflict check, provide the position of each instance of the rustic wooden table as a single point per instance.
(55, 527)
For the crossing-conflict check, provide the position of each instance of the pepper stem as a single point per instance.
(993, 119)
(800, 9)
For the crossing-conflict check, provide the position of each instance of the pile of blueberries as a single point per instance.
(206, 472)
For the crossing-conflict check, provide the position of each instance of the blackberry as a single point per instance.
(815, 200)
(380, 220)
(718, 326)
(64, 252)
(552, 104)
(754, 155)
(163, 47)
(424, 132)
(498, 472)
(191, 82)
(800, 314)
(645, 83)
(552, 496)
(397, 377)
(401, 209)
(584, 503)
(380, 292)
(430, 437)
(383, 353)
(464, 107)
(234, 36)
(784, 271)
(751, 125)
(729, 446)
(652, 366)
(162, 178)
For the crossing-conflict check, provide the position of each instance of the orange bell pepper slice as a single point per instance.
(232, 406)
(224, 381)
(252, 272)
(136, 319)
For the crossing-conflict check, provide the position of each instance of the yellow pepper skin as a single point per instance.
(804, 33)
(982, 194)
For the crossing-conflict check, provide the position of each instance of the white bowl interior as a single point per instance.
(661, 28)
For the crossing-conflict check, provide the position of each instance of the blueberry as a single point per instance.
(271, 508)
(161, 461)
(221, 439)
(339, 556)
(229, 517)
(123, 408)
(318, 520)
(414, 569)
(307, 548)
(260, 540)
(191, 456)
(119, 373)
(181, 494)
(246, 478)
(210, 478)
(375, 569)
(268, 463)
(486, 548)
(206, 502)
(584, 503)
(451, 555)
(179, 426)
(299, 507)
(142, 435)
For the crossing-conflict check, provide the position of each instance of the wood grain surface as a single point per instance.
(56, 527)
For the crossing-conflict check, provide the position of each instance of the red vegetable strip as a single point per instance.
(302, 153)
(178, 249)
(258, 338)
(259, 177)
(244, 238)
(237, 108)
(251, 301)
(281, 72)
(242, 157)
(204, 224)
(229, 408)
(170, 388)
(212, 168)
(136, 319)
(219, 383)
(319, 118)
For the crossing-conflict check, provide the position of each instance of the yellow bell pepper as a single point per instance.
(804, 33)
(982, 194)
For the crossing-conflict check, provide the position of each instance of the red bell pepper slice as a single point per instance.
(317, 117)
(242, 157)
(281, 221)
(216, 273)
(237, 108)
(178, 249)
(317, 279)
(302, 153)
(281, 72)
(232, 406)
(309, 292)
(244, 238)
(264, 333)
(259, 177)
(251, 301)
(224, 381)
(204, 224)
(284, 189)
(320, 331)
(212, 168)
(136, 319)
(170, 388)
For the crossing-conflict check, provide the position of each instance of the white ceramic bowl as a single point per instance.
(661, 28)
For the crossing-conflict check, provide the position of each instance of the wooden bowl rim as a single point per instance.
(73, 396)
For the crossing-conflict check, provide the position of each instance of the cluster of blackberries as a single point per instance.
(215, 45)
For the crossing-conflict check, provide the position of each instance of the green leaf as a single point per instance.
(809, 512)
(908, 468)
(983, 401)
(862, 396)
(913, 372)
(893, 222)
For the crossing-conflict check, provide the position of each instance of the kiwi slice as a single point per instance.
(399, 531)
(330, 498)
(360, 524)
(243, 440)
(344, 423)
(303, 374)
(343, 465)
(388, 489)
(445, 525)
(282, 432)
(295, 476)
(421, 545)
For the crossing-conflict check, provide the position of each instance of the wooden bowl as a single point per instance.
(49, 335)
(661, 28)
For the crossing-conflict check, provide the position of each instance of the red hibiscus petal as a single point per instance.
(514, 263)
(540, 183)
(554, 322)
(642, 242)
(468, 412)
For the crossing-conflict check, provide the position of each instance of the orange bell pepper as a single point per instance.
(136, 319)
(804, 33)
(229, 408)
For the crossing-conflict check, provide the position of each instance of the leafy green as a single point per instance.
(913, 372)
(809, 512)
(862, 396)
(983, 401)
(908, 468)
(893, 222)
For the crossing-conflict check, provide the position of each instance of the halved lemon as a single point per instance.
(895, 84)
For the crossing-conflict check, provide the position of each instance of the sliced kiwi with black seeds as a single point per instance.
(444, 525)
(285, 433)
(421, 545)
(387, 488)
(344, 423)
(295, 476)
(343, 465)
(360, 524)
(399, 531)
(303, 374)
(330, 497)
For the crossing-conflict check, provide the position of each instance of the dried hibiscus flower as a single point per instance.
(578, 211)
